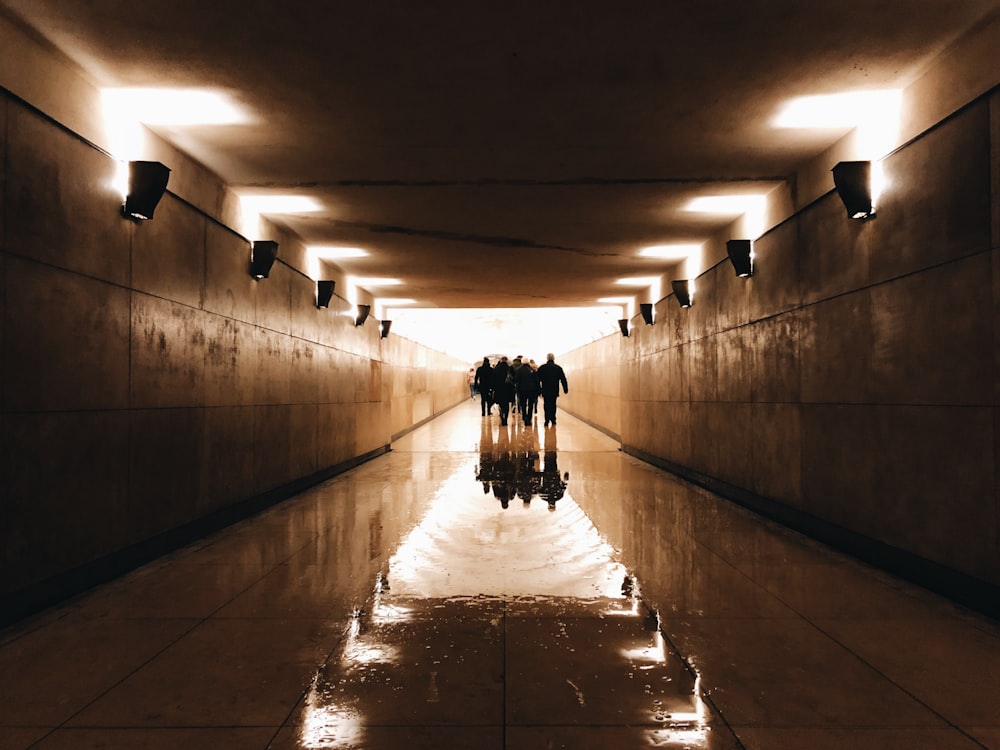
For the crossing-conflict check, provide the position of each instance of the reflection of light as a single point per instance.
(627, 303)
(874, 113)
(646, 653)
(170, 106)
(654, 283)
(125, 109)
(280, 204)
(255, 206)
(315, 254)
(753, 208)
(328, 726)
(670, 252)
(465, 546)
(384, 303)
(880, 181)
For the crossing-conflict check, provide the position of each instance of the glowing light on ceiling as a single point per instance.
(753, 208)
(638, 281)
(382, 304)
(367, 281)
(315, 254)
(670, 252)
(173, 106)
(875, 114)
(336, 253)
(254, 206)
(280, 204)
(653, 283)
(125, 110)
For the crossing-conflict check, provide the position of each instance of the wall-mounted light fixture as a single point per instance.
(363, 311)
(623, 324)
(741, 256)
(262, 256)
(147, 182)
(853, 180)
(646, 311)
(682, 291)
(324, 293)
(385, 326)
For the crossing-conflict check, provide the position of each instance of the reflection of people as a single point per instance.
(503, 468)
(503, 388)
(553, 486)
(485, 470)
(550, 375)
(484, 382)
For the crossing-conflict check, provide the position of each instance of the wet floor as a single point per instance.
(503, 587)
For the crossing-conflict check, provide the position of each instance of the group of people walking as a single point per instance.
(520, 383)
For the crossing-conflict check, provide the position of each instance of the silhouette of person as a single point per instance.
(484, 382)
(526, 383)
(550, 376)
(503, 388)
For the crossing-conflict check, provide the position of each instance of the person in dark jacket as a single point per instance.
(484, 383)
(550, 376)
(503, 388)
(526, 384)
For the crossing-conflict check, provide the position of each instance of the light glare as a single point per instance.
(172, 106)
(280, 204)
(753, 207)
(875, 114)
(670, 252)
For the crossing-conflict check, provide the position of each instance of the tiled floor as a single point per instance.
(418, 602)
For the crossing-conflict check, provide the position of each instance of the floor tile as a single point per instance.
(401, 605)
(855, 739)
(786, 673)
(224, 673)
(52, 673)
(193, 738)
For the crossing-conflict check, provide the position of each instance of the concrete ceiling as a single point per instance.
(504, 154)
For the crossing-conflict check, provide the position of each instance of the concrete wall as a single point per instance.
(854, 378)
(149, 387)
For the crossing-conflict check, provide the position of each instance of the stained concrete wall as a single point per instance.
(148, 383)
(854, 378)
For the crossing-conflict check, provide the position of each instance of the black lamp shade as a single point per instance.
(147, 182)
(386, 325)
(853, 180)
(262, 256)
(324, 293)
(646, 311)
(681, 292)
(623, 324)
(363, 311)
(740, 256)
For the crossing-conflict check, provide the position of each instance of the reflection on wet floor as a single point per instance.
(518, 619)
(399, 605)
